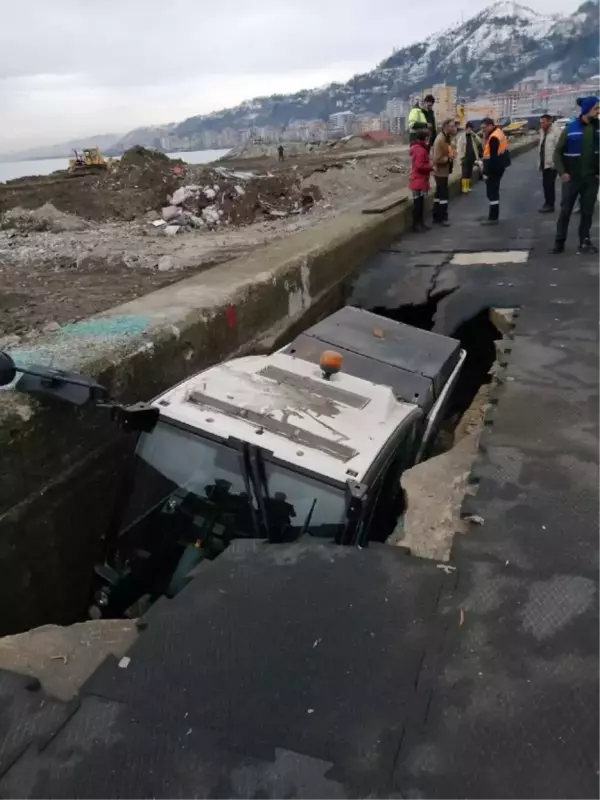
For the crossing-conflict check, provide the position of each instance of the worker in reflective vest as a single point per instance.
(576, 161)
(416, 121)
(495, 160)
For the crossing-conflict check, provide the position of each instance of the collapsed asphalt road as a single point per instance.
(314, 671)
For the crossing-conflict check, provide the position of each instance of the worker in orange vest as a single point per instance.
(496, 158)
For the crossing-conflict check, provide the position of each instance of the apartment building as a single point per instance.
(341, 120)
(560, 100)
(366, 123)
(506, 103)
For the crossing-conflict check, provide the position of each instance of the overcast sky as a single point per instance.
(71, 68)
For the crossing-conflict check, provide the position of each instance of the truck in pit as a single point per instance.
(311, 440)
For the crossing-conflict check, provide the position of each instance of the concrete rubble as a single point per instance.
(226, 197)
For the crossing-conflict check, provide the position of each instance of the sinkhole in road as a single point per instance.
(435, 488)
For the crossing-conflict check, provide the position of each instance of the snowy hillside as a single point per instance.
(472, 51)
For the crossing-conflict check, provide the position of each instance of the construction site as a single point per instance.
(73, 244)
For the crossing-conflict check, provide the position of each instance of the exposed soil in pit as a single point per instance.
(436, 487)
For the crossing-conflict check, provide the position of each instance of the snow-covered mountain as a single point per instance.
(490, 52)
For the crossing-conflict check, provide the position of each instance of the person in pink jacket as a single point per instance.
(421, 168)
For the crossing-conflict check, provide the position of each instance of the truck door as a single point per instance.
(385, 501)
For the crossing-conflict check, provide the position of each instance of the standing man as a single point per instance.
(576, 161)
(280, 153)
(428, 103)
(442, 157)
(416, 122)
(468, 151)
(495, 161)
(549, 136)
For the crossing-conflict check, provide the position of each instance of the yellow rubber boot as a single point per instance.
(464, 187)
(468, 184)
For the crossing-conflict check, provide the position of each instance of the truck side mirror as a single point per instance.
(76, 390)
(8, 370)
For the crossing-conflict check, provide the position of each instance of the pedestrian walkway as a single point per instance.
(308, 670)
(514, 692)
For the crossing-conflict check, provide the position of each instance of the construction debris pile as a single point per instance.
(227, 197)
(144, 181)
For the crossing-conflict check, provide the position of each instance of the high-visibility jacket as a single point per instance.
(502, 143)
(503, 159)
(415, 117)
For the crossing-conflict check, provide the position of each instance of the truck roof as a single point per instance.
(333, 427)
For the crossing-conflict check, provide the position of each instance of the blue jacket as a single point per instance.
(578, 149)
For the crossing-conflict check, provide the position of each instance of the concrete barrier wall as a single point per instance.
(60, 466)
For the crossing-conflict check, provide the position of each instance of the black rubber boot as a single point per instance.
(559, 247)
(415, 216)
(418, 211)
(547, 210)
(586, 247)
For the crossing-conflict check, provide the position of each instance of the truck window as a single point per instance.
(296, 496)
(191, 473)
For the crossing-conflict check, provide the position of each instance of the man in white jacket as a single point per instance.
(549, 136)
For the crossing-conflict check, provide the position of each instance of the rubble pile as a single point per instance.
(145, 181)
(228, 197)
(44, 218)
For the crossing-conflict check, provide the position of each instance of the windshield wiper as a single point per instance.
(308, 519)
(262, 491)
(247, 474)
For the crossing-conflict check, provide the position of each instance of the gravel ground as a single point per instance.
(56, 267)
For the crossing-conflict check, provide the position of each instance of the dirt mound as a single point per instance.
(140, 158)
(138, 183)
(252, 150)
(45, 218)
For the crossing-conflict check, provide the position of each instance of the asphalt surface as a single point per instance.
(312, 671)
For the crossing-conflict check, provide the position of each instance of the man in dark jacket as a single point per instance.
(576, 161)
(495, 161)
(427, 109)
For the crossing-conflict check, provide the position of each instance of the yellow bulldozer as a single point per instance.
(89, 160)
(517, 127)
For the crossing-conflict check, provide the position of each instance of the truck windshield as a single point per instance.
(182, 476)
(179, 475)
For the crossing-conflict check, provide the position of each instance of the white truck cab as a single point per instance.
(308, 441)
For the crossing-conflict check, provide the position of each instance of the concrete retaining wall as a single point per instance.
(60, 467)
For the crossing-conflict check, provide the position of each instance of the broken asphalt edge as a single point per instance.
(60, 466)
